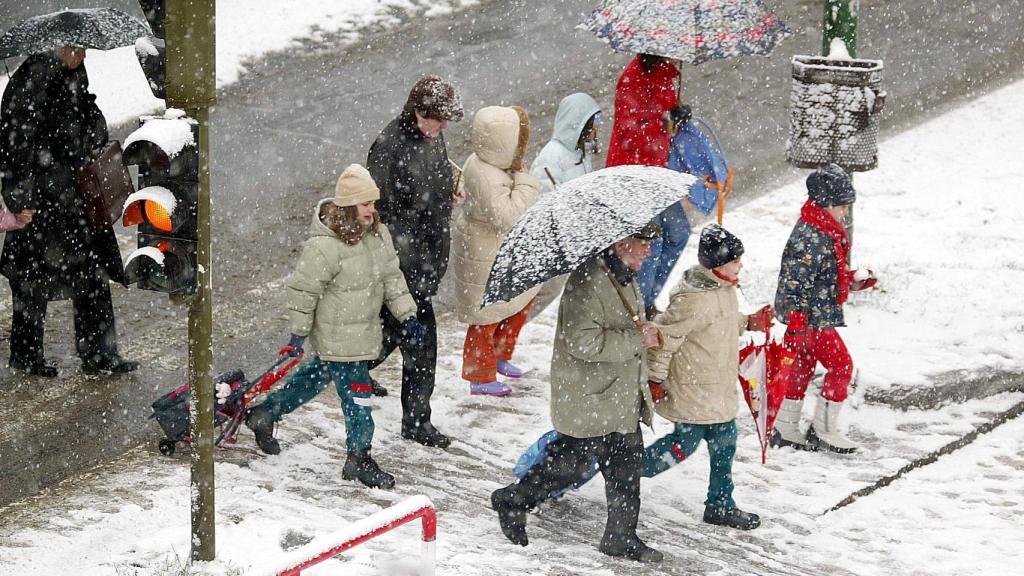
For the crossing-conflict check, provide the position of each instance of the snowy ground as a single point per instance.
(246, 30)
(940, 224)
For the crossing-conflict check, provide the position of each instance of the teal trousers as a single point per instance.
(682, 442)
(351, 380)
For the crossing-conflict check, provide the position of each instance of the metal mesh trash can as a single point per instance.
(834, 109)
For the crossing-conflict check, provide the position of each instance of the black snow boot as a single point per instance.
(262, 426)
(376, 389)
(732, 518)
(632, 548)
(511, 517)
(360, 466)
(425, 433)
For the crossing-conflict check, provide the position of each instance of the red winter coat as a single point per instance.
(641, 100)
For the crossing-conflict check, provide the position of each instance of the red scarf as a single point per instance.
(817, 216)
(722, 277)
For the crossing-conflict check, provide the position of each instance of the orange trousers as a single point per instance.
(487, 343)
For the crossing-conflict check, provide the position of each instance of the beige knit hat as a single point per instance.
(355, 186)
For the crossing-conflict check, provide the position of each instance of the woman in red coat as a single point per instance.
(645, 94)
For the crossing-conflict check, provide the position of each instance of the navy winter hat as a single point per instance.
(718, 246)
(830, 186)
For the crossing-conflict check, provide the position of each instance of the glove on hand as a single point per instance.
(761, 320)
(796, 331)
(414, 333)
(294, 346)
(861, 279)
(658, 392)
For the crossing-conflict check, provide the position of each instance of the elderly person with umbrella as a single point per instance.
(599, 392)
(50, 127)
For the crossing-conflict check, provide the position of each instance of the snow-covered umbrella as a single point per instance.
(694, 31)
(584, 216)
(97, 28)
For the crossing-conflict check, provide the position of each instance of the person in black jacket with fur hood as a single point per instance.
(409, 162)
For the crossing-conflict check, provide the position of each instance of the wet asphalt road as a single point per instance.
(284, 131)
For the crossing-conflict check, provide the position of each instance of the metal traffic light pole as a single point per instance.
(191, 86)
(841, 17)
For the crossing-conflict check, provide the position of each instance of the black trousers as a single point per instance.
(618, 455)
(95, 335)
(418, 366)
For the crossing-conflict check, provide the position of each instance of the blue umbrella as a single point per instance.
(694, 31)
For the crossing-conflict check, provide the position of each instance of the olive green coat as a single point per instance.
(337, 289)
(700, 360)
(598, 369)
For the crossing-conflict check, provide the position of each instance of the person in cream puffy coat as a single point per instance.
(498, 191)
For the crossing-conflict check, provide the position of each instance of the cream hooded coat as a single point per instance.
(496, 197)
(699, 364)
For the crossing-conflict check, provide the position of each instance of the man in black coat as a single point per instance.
(409, 162)
(50, 127)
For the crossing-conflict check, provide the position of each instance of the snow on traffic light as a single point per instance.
(164, 208)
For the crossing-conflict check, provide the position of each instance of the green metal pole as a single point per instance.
(841, 19)
(840, 22)
(191, 85)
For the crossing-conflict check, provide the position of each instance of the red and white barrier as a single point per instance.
(329, 545)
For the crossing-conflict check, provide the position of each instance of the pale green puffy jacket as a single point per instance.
(337, 289)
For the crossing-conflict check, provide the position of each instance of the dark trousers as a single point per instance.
(619, 457)
(417, 365)
(95, 336)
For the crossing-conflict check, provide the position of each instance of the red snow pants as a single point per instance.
(827, 347)
(487, 343)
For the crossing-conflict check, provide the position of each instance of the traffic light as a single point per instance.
(152, 50)
(165, 150)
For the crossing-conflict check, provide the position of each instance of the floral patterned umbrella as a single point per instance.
(694, 31)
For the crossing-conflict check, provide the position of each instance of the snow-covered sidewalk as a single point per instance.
(940, 222)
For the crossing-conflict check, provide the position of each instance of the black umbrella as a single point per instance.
(579, 219)
(98, 28)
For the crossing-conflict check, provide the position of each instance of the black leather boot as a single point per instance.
(262, 426)
(425, 433)
(732, 517)
(511, 518)
(632, 548)
(360, 466)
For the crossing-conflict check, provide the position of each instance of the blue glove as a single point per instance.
(414, 333)
(294, 346)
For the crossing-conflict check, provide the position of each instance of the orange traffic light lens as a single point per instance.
(157, 216)
(133, 215)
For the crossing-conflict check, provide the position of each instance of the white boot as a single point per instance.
(825, 428)
(787, 427)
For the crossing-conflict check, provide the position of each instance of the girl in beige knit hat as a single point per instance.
(348, 269)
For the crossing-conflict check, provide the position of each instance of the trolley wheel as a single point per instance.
(167, 447)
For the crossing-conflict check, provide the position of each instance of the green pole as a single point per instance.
(841, 18)
(191, 85)
(840, 22)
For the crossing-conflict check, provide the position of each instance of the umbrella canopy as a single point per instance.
(693, 31)
(98, 28)
(579, 219)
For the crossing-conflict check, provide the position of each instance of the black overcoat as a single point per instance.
(50, 127)
(416, 183)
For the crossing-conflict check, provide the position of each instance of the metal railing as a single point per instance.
(330, 545)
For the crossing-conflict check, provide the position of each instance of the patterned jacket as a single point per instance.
(808, 279)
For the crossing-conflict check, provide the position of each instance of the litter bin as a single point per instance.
(834, 109)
